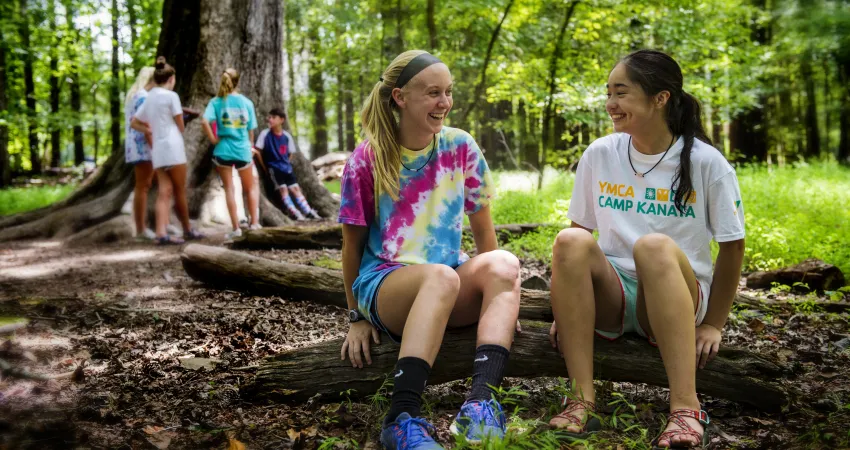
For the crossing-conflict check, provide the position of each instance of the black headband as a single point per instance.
(416, 65)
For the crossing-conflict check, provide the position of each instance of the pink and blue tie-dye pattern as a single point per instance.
(424, 225)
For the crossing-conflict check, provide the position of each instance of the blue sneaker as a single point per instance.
(409, 433)
(478, 420)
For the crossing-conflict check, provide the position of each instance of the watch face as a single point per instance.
(353, 315)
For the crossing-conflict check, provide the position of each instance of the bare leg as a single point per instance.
(226, 175)
(489, 295)
(178, 177)
(163, 201)
(144, 177)
(246, 176)
(668, 293)
(417, 301)
(585, 295)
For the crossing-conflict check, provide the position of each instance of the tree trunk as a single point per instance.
(350, 139)
(292, 115)
(55, 133)
(299, 374)
(432, 25)
(74, 76)
(811, 116)
(317, 87)
(340, 107)
(29, 89)
(545, 136)
(392, 44)
(843, 61)
(137, 63)
(114, 91)
(482, 81)
(5, 168)
(748, 135)
(816, 274)
(200, 38)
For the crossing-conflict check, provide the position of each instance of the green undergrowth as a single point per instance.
(17, 200)
(792, 213)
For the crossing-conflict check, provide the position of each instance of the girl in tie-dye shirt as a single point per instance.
(405, 191)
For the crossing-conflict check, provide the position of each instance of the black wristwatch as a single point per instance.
(354, 316)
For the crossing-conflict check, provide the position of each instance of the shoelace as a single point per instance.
(418, 431)
(487, 414)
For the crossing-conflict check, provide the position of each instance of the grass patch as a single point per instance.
(792, 213)
(332, 186)
(328, 263)
(17, 200)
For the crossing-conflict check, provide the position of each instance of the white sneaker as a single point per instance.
(255, 226)
(147, 235)
(173, 230)
(233, 234)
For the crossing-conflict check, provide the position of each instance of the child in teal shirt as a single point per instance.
(235, 120)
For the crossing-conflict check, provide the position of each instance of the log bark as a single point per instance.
(299, 374)
(330, 236)
(818, 275)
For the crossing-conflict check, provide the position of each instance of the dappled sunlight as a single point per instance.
(36, 270)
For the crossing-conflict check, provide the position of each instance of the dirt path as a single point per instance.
(140, 329)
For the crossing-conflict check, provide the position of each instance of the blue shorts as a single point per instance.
(629, 320)
(366, 288)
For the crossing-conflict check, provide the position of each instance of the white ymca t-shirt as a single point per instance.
(609, 197)
(158, 111)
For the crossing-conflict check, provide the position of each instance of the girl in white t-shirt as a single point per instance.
(657, 192)
(162, 115)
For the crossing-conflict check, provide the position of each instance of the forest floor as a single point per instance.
(145, 336)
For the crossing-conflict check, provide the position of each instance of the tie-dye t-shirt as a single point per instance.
(424, 225)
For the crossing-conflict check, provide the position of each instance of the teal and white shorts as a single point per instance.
(629, 321)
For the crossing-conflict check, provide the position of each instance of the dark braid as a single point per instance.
(656, 71)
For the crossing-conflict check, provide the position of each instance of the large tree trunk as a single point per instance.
(55, 133)
(29, 89)
(297, 375)
(200, 38)
(316, 83)
(843, 61)
(811, 121)
(5, 168)
(292, 115)
(482, 81)
(74, 76)
(114, 91)
(548, 110)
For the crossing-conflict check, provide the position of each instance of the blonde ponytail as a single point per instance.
(381, 127)
(229, 81)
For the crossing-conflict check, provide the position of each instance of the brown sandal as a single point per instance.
(591, 422)
(678, 417)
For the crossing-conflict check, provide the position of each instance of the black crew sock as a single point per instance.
(488, 369)
(409, 380)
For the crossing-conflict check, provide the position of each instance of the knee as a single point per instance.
(165, 191)
(572, 244)
(655, 250)
(443, 281)
(502, 266)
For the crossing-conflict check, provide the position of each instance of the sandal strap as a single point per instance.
(570, 405)
(678, 417)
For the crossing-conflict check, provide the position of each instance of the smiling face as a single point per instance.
(630, 108)
(426, 100)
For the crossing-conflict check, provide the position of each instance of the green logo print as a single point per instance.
(650, 193)
(737, 204)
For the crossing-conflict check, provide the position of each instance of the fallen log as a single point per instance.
(230, 269)
(824, 305)
(330, 236)
(816, 274)
(299, 374)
